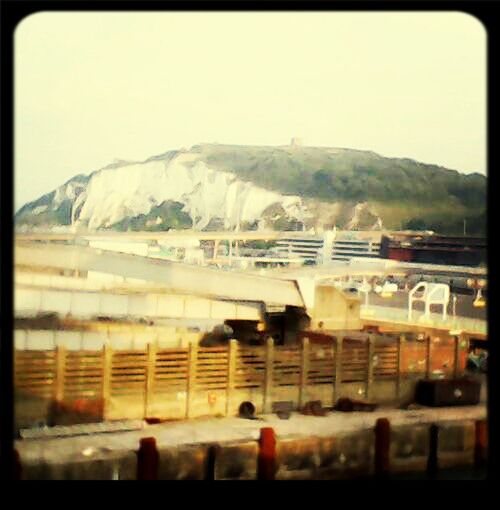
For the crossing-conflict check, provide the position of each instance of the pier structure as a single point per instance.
(75, 366)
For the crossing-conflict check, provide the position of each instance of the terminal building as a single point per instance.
(332, 245)
(417, 247)
(434, 249)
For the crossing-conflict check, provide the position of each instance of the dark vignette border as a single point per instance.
(12, 12)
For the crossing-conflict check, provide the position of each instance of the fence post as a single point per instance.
(107, 360)
(150, 377)
(148, 459)
(231, 371)
(401, 344)
(382, 447)
(59, 375)
(458, 341)
(268, 382)
(192, 360)
(428, 357)
(339, 344)
(304, 369)
(369, 375)
(481, 443)
(266, 461)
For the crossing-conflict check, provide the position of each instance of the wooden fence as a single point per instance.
(79, 386)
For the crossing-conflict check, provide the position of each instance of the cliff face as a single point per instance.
(231, 187)
(112, 195)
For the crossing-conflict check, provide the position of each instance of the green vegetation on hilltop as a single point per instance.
(336, 184)
(406, 193)
(344, 174)
(171, 217)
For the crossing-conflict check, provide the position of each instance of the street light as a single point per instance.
(479, 302)
(366, 288)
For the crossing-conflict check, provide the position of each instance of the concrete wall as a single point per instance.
(335, 310)
(455, 444)
(88, 465)
(88, 304)
(135, 248)
(47, 340)
(409, 448)
(343, 455)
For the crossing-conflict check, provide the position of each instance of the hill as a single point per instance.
(214, 186)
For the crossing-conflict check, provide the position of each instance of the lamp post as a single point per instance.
(366, 288)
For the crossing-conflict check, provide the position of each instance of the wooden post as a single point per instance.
(231, 371)
(456, 356)
(268, 382)
(192, 360)
(150, 378)
(456, 367)
(382, 447)
(428, 357)
(481, 444)
(59, 375)
(304, 369)
(369, 375)
(401, 345)
(266, 461)
(148, 459)
(338, 367)
(107, 360)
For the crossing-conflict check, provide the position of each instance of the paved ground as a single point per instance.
(214, 430)
(399, 299)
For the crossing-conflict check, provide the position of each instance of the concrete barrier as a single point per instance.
(297, 459)
(456, 443)
(87, 465)
(236, 461)
(409, 448)
(182, 462)
(346, 455)
(362, 453)
(343, 456)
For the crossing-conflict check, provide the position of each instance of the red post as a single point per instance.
(481, 449)
(148, 459)
(382, 447)
(266, 469)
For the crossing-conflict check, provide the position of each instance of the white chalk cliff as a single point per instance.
(112, 194)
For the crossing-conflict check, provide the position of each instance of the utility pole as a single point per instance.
(465, 222)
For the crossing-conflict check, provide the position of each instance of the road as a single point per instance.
(464, 307)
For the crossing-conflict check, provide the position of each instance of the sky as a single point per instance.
(92, 87)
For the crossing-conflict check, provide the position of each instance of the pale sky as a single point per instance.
(93, 87)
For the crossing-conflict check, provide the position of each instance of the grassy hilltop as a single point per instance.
(343, 187)
(403, 192)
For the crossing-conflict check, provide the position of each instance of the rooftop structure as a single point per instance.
(433, 249)
(332, 245)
